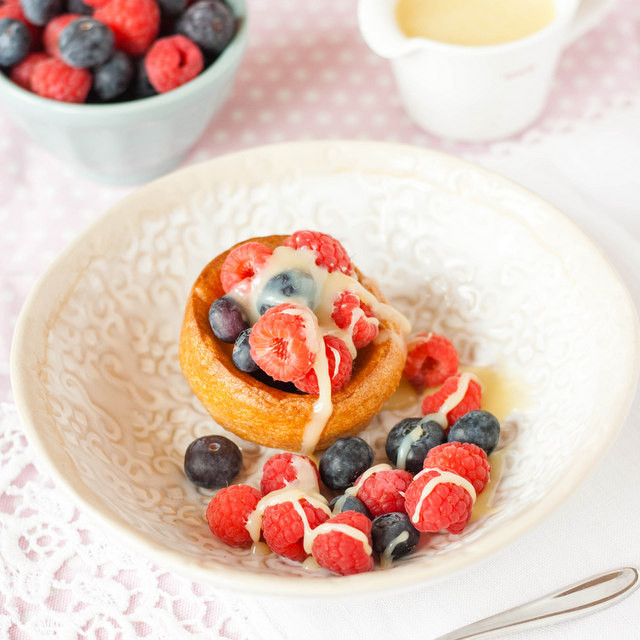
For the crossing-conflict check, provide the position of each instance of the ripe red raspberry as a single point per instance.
(52, 31)
(365, 328)
(134, 23)
(228, 512)
(340, 365)
(242, 263)
(431, 359)
(344, 551)
(466, 459)
(284, 529)
(21, 73)
(442, 401)
(284, 341)
(330, 254)
(383, 491)
(96, 3)
(446, 506)
(290, 470)
(56, 80)
(171, 62)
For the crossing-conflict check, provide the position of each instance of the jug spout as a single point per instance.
(380, 30)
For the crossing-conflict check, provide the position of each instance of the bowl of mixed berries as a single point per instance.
(121, 89)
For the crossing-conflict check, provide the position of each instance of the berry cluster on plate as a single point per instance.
(110, 50)
(347, 512)
(286, 324)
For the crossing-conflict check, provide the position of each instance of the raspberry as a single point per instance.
(365, 324)
(134, 23)
(330, 254)
(56, 80)
(21, 73)
(465, 459)
(445, 504)
(383, 491)
(340, 365)
(284, 342)
(242, 263)
(289, 470)
(96, 3)
(171, 62)
(228, 512)
(52, 32)
(431, 359)
(283, 527)
(444, 401)
(343, 544)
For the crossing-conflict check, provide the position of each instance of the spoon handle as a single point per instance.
(587, 596)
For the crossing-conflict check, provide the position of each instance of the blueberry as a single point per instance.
(293, 285)
(227, 319)
(349, 503)
(142, 88)
(393, 529)
(242, 353)
(86, 43)
(15, 41)
(212, 461)
(265, 378)
(344, 461)
(78, 6)
(112, 78)
(425, 435)
(39, 12)
(477, 427)
(171, 8)
(209, 23)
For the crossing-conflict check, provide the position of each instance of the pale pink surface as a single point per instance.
(307, 75)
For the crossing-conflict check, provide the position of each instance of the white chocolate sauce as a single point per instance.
(405, 446)
(453, 400)
(353, 491)
(306, 476)
(346, 529)
(442, 478)
(386, 557)
(329, 287)
(288, 494)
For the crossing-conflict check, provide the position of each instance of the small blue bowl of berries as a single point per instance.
(119, 89)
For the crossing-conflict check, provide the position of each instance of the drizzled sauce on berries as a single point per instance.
(329, 286)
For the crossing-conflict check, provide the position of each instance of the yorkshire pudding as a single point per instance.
(269, 416)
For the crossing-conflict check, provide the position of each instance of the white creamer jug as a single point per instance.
(475, 93)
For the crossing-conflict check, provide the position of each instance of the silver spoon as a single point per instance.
(587, 596)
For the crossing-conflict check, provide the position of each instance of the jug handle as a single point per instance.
(379, 29)
(587, 16)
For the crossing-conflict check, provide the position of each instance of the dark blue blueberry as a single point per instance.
(142, 88)
(227, 319)
(39, 12)
(293, 285)
(77, 6)
(394, 529)
(430, 435)
(209, 23)
(344, 461)
(477, 427)
(212, 461)
(112, 79)
(265, 378)
(242, 353)
(86, 43)
(349, 503)
(15, 41)
(171, 8)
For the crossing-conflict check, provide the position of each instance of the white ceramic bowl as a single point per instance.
(458, 249)
(130, 142)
